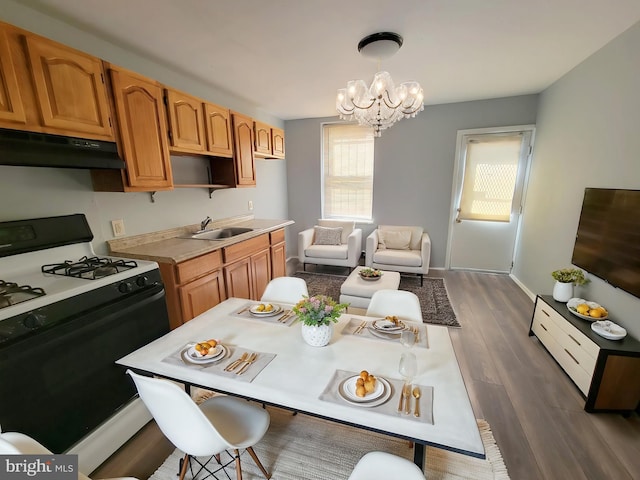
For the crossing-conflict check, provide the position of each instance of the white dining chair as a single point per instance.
(16, 443)
(285, 290)
(217, 425)
(383, 466)
(400, 303)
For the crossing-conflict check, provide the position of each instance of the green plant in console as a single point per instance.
(570, 275)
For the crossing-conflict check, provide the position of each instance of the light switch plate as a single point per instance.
(118, 227)
(250, 205)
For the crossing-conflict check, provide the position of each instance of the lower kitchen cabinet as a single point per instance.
(607, 372)
(278, 254)
(202, 294)
(247, 268)
(193, 286)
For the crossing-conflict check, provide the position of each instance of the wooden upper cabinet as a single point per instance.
(262, 138)
(277, 142)
(143, 130)
(70, 89)
(11, 107)
(243, 150)
(186, 122)
(218, 130)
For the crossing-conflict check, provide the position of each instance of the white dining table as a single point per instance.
(298, 374)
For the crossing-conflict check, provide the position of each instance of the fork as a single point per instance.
(233, 365)
(249, 361)
(360, 327)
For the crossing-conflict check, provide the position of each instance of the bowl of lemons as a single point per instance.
(587, 310)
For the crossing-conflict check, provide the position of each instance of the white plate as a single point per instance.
(276, 310)
(192, 356)
(587, 317)
(373, 403)
(348, 388)
(382, 334)
(609, 330)
(384, 325)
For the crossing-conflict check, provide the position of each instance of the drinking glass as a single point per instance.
(408, 366)
(407, 338)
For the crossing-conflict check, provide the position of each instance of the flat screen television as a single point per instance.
(608, 238)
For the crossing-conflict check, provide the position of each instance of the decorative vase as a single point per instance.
(562, 292)
(317, 336)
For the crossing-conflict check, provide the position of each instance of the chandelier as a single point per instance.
(382, 104)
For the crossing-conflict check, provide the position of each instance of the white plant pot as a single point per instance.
(317, 336)
(562, 292)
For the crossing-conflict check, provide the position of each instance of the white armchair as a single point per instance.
(330, 242)
(399, 249)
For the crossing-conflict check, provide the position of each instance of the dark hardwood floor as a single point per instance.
(535, 411)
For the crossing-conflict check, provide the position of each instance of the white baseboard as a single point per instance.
(529, 293)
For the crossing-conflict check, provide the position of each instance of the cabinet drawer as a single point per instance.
(198, 266)
(581, 347)
(277, 236)
(545, 331)
(246, 248)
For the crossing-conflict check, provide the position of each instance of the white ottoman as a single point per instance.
(358, 292)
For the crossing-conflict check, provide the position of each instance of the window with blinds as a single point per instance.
(490, 172)
(347, 172)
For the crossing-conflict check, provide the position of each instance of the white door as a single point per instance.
(489, 179)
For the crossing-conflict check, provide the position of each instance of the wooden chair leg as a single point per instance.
(183, 470)
(238, 468)
(258, 463)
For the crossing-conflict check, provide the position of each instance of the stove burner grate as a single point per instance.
(11, 293)
(90, 268)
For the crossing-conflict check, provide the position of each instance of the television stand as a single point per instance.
(607, 372)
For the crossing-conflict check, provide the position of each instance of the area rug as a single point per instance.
(307, 448)
(434, 300)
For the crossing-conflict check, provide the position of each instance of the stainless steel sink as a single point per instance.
(220, 233)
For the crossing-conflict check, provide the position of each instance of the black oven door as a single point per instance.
(60, 384)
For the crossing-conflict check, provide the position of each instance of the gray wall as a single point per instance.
(33, 192)
(414, 162)
(587, 136)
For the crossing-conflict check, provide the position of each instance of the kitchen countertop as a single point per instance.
(166, 246)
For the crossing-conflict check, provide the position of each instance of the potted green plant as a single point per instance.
(318, 314)
(565, 279)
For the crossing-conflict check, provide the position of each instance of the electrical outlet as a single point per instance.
(250, 205)
(118, 227)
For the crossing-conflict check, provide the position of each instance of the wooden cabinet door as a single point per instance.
(237, 277)
(262, 138)
(260, 272)
(186, 122)
(218, 130)
(278, 260)
(243, 150)
(70, 89)
(11, 107)
(277, 142)
(200, 295)
(143, 130)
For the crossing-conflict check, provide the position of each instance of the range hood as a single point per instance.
(31, 149)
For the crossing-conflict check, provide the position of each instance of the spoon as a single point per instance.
(416, 394)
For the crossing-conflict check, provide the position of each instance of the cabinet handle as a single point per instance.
(543, 327)
(574, 340)
(543, 311)
(574, 358)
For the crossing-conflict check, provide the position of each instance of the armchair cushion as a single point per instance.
(406, 258)
(394, 239)
(416, 234)
(327, 251)
(327, 236)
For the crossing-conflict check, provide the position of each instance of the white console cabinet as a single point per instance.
(607, 372)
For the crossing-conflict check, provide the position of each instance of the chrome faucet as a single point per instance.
(204, 223)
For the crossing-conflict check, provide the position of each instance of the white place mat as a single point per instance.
(369, 332)
(390, 407)
(245, 313)
(217, 367)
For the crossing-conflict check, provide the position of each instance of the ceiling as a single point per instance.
(289, 57)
